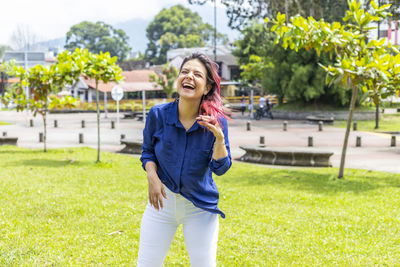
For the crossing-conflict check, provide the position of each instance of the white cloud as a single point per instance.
(53, 18)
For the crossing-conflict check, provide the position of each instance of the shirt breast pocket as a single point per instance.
(199, 162)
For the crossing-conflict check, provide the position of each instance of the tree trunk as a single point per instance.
(44, 131)
(44, 115)
(98, 121)
(377, 116)
(346, 137)
(287, 10)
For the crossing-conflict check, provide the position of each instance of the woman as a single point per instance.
(183, 143)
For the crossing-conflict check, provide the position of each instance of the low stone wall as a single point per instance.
(8, 141)
(337, 115)
(131, 146)
(289, 156)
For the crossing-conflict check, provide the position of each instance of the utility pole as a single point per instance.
(377, 106)
(215, 30)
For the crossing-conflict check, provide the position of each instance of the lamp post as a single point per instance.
(215, 30)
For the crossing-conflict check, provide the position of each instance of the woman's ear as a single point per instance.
(208, 89)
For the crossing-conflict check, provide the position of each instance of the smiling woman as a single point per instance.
(184, 142)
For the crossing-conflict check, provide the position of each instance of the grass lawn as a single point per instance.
(4, 123)
(61, 209)
(387, 123)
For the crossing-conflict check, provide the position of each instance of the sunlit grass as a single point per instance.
(387, 123)
(60, 208)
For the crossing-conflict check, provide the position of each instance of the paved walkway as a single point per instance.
(375, 153)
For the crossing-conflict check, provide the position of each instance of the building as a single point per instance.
(134, 81)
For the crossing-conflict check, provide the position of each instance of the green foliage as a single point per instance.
(242, 12)
(372, 67)
(177, 27)
(3, 48)
(167, 80)
(294, 76)
(43, 82)
(98, 37)
(99, 67)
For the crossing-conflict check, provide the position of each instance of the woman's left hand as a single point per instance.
(213, 127)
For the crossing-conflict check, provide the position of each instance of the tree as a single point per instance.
(99, 67)
(44, 82)
(98, 37)
(360, 64)
(177, 27)
(242, 12)
(23, 38)
(294, 76)
(167, 80)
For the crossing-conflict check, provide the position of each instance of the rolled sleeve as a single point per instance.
(148, 139)
(220, 166)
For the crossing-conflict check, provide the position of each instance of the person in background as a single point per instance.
(184, 143)
(242, 105)
(261, 102)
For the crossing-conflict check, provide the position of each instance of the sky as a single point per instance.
(50, 19)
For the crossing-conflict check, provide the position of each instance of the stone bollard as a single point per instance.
(358, 141)
(83, 124)
(310, 141)
(40, 137)
(320, 124)
(393, 141)
(81, 138)
(248, 126)
(262, 141)
(4, 134)
(112, 124)
(355, 126)
(30, 123)
(122, 136)
(55, 123)
(285, 123)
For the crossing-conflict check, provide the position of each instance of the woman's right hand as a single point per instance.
(156, 191)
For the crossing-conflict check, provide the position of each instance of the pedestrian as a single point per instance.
(242, 105)
(250, 106)
(261, 101)
(184, 142)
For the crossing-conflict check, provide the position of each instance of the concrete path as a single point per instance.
(375, 153)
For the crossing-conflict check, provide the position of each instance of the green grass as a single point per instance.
(4, 123)
(59, 208)
(387, 123)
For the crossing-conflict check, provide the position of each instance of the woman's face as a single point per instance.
(192, 80)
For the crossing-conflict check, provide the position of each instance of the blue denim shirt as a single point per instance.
(184, 158)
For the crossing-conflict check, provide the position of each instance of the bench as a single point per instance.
(287, 156)
(8, 141)
(317, 119)
(131, 146)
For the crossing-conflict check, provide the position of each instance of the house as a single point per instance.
(134, 81)
(228, 68)
(387, 29)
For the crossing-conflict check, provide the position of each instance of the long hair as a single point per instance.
(211, 103)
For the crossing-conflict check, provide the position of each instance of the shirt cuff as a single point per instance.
(221, 165)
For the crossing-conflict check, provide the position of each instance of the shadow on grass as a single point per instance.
(50, 163)
(321, 180)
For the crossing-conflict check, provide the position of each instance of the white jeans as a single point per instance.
(157, 230)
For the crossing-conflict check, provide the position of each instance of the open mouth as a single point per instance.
(188, 86)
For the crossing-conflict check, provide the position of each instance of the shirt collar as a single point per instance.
(173, 118)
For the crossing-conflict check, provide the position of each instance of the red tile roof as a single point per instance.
(135, 80)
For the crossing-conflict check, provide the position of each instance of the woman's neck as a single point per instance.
(188, 110)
